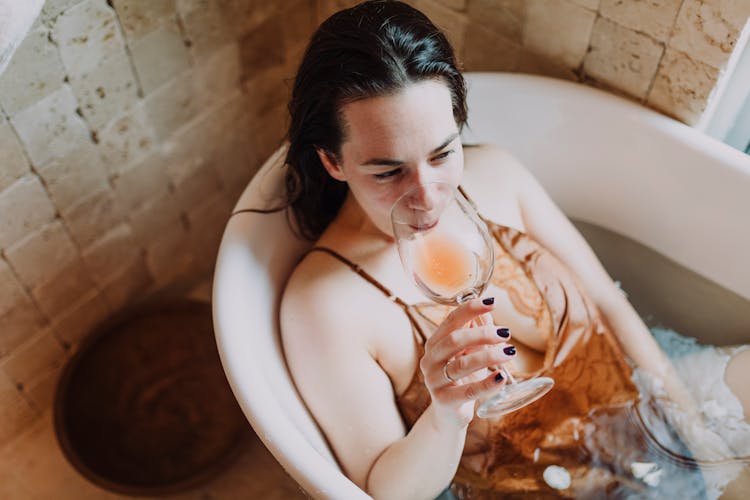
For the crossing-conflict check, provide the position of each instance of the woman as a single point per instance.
(376, 110)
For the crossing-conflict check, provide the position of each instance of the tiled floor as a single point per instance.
(33, 467)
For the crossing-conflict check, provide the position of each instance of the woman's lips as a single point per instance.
(424, 227)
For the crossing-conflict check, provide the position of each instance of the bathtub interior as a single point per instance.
(630, 158)
(620, 166)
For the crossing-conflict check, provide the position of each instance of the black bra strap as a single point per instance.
(370, 279)
(357, 269)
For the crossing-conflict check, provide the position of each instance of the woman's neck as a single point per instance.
(351, 218)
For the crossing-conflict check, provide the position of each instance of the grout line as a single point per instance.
(128, 53)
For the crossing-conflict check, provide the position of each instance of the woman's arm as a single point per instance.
(547, 223)
(331, 348)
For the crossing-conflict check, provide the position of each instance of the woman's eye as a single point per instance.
(390, 173)
(444, 155)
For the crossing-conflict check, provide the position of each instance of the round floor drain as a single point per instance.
(144, 408)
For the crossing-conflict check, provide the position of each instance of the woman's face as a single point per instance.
(395, 143)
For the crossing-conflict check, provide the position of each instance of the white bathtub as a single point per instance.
(604, 160)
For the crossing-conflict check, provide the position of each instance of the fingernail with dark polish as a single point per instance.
(499, 377)
(488, 301)
(510, 350)
(503, 332)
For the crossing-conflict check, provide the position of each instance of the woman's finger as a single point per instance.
(454, 343)
(461, 315)
(481, 389)
(468, 364)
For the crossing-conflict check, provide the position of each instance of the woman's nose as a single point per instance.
(424, 197)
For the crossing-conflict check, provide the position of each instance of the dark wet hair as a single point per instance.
(372, 49)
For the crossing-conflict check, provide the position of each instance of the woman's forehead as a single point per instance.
(421, 112)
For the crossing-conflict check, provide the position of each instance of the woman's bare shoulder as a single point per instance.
(313, 289)
(330, 299)
(491, 179)
(490, 160)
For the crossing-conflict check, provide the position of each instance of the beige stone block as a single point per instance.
(34, 71)
(104, 258)
(589, 4)
(41, 388)
(13, 162)
(298, 24)
(40, 353)
(326, 8)
(265, 91)
(25, 207)
(171, 105)
(106, 90)
(72, 177)
(159, 55)
(170, 255)
(93, 216)
(20, 323)
(142, 182)
(11, 290)
(454, 4)
(217, 75)
(236, 161)
(139, 17)
(267, 131)
(652, 17)
(189, 148)
(708, 30)
(154, 217)
(16, 414)
(450, 22)
(622, 58)
(263, 47)
(8, 388)
(59, 292)
(207, 25)
(82, 318)
(42, 254)
(735, 12)
(127, 139)
(53, 8)
(202, 184)
(502, 18)
(558, 30)
(485, 50)
(209, 218)
(245, 15)
(129, 285)
(207, 221)
(50, 128)
(88, 34)
(535, 64)
(47, 474)
(11, 486)
(682, 86)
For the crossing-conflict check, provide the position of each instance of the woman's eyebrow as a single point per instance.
(398, 163)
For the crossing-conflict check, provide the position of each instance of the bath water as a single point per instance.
(693, 320)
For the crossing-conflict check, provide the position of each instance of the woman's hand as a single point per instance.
(456, 360)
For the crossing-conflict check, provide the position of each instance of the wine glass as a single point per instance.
(448, 253)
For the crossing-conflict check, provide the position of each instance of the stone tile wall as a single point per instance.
(128, 129)
(666, 54)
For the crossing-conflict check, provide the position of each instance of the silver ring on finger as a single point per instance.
(447, 375)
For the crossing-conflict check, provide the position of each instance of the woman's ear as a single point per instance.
(331, 164)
